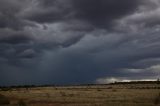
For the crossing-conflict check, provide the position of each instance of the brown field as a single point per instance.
(95, 95)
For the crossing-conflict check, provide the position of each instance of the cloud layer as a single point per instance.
(78, 41)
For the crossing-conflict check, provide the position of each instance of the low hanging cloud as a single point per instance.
(78, 41)
(113, 80)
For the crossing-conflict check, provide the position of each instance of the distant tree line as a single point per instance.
(6, 88)
(138, 82)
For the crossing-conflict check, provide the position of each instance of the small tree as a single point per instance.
(158, 81)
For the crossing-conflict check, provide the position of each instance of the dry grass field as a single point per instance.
(95, 95)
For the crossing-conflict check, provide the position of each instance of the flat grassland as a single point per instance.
(91, 95)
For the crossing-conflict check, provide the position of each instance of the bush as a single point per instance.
(6, 89)
(21, 103)
(99, 90)
(114, 90)
(47, 95)
(63, 94)
(4, 100)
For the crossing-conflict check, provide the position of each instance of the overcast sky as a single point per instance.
(78, 41)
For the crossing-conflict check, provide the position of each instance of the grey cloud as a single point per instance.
(147, 16)
(109, 61)
(15, 39)
(103, 12)
(66, 42)
(47, 11)
(9, 11)
(98, 13)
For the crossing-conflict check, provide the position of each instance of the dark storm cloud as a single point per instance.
(9, 11)
(48, 11)
(78, 41)
(103, 12)
(15, 39)
(98, 13)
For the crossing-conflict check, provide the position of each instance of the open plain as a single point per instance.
(84, 95)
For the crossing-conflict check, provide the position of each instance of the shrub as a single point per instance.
(63, 94)
(6, 89)
(4, 100)
(47, 95)
(99, 90)
(114, 90)
(21, 103)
